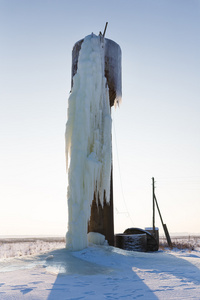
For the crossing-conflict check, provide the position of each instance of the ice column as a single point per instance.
(88, 140)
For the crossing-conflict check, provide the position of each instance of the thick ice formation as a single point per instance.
(88, 140)
(96, 238)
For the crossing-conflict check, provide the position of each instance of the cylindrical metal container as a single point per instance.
(156, 235)
(134, 242)
(112, 56)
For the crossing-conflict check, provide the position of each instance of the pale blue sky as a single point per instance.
(157, 126)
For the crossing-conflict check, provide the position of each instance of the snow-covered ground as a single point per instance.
(11, 247)
(97, 272)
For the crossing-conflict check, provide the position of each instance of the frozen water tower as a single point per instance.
(101, 219)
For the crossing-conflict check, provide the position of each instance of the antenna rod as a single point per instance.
(105, 29)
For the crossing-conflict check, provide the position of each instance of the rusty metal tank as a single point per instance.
(112, 58)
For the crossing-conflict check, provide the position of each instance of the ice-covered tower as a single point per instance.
(96, 84)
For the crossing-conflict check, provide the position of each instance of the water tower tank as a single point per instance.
(112, 68)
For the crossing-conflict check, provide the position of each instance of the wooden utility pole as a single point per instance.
(164, 225)
(153, 196)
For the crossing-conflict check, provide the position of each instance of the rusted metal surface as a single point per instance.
(132, 242)
(152, 244)
(112, 67)
(102, 219)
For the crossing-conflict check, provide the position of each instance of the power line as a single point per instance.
(120, 178)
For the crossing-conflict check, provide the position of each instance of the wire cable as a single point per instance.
(122, 191)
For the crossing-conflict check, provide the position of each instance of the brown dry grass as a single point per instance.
(177, 245)
(182, 243)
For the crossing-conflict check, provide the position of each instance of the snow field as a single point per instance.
(19, 249)
(102, 272)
